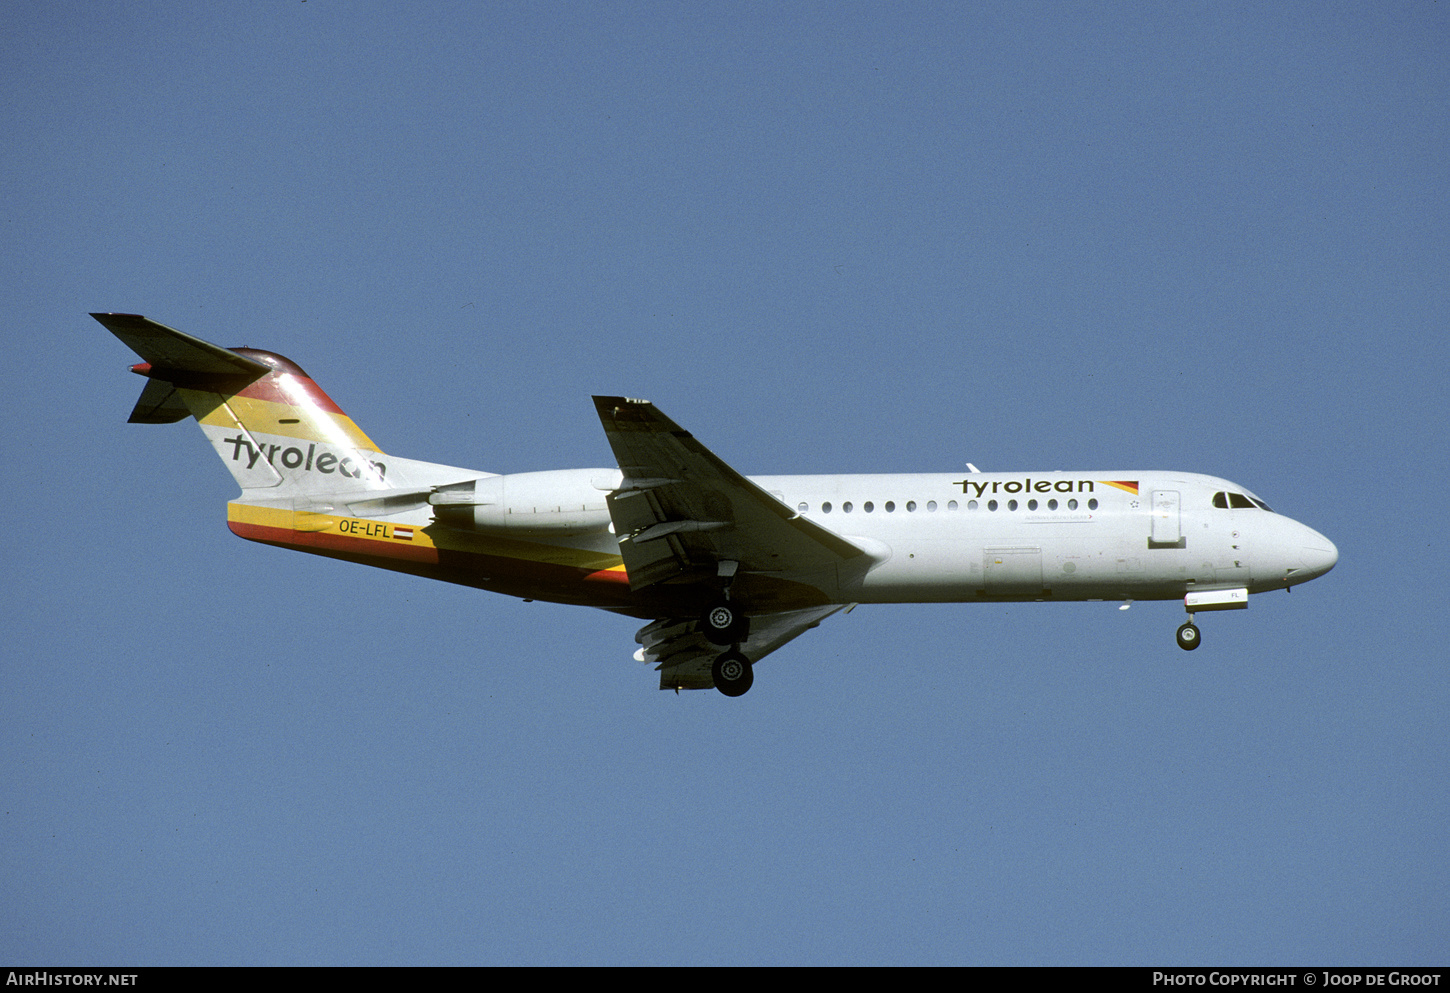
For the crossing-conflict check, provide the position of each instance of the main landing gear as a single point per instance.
(724, 625)
(733, 673)
(1188, 637)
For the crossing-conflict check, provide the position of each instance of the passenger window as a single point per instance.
(868, 506)
(890, 506)
(1052, 505)
(971, 505)
(803, 506)
(846, 507)
(910, 506)
(1011, 504)
(991, 504)
(951, 505)
(1031, 504)
(1093, 504)
(825, 508)
(1072, 505)
(931, 505)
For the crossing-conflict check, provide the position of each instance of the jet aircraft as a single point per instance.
(725, 568)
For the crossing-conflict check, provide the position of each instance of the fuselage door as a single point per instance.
(1166, 528)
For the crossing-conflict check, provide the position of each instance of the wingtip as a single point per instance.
(600, 401)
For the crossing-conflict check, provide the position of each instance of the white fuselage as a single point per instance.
(935, 537)
(1055, 535)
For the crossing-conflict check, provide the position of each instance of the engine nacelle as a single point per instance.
(558, 502)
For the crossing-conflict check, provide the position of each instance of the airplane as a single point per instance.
(725, 568)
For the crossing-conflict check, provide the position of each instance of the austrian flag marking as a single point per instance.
(403, 534)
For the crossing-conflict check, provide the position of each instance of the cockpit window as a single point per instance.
(1238, 501)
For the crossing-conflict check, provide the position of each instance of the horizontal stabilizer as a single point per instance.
(170, 351)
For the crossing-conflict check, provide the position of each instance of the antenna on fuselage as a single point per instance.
(972, 468)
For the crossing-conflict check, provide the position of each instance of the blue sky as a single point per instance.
(825, 238)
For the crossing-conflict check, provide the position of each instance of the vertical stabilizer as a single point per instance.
(268, 421)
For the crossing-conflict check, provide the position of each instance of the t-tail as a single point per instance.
(268, 421)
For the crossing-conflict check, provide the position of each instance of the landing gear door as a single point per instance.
(1167, 531)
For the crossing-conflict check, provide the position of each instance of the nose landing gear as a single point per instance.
(1188, 637)
(1232, 599)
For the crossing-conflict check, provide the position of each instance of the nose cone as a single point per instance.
(1287, 553)
(1318, 554)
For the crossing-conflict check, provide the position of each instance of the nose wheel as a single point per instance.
(1188, 637)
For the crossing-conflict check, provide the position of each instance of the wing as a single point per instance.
(683, 516)
(683, 656)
